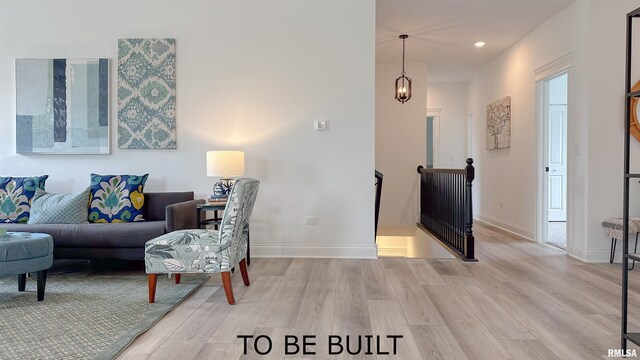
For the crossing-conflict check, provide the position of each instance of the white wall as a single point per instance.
(593, 31)
(401, 136)
(606, 96)
(506, 182)
(451, 100)
(251, 75)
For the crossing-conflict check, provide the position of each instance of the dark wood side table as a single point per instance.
(217, 208)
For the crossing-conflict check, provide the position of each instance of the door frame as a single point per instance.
(557, 67)
(435, 114)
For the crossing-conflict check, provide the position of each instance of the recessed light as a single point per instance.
(480, 44)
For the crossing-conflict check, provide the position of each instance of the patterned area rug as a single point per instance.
(83, 316)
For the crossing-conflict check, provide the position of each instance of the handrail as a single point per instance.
(424, 170)
(446, 208)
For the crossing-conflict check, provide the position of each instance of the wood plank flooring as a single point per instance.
(520, 301)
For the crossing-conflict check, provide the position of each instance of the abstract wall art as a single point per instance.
(62, 106)
(499, 124)
(146, 94)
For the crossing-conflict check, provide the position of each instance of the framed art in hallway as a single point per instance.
(62, 106)
(499, 124)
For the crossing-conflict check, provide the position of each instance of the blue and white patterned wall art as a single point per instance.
(62, 106)
(147, 93)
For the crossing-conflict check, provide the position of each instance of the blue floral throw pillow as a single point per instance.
(116, 198)
(15, 197)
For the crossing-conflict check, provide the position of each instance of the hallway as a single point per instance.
(520, 301)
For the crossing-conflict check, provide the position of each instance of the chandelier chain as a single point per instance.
(403, 57)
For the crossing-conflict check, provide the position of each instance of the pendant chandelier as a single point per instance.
(403, 83)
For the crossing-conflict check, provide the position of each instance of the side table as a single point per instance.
(216, 207)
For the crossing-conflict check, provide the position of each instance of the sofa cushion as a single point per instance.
(15, 197)
(103, 235)
(116, 198)
(59, 208)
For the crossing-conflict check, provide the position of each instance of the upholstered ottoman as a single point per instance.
(22, 253)
(614, 227)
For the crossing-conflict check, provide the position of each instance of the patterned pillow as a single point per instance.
(116, 198)
(15, 197)
(59, 208)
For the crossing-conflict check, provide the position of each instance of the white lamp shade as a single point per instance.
(225, 164)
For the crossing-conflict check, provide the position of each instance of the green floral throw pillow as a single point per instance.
(15, 197)
(116, 198)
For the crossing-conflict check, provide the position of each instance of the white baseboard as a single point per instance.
(602, 255)
(314, 251)
(593, 256)
(505, 226)
(578, 252)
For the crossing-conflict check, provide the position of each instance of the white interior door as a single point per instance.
(557, 162)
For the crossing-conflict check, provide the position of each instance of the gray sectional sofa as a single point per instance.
(163, 212)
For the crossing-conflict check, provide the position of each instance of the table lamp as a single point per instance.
(224, 165)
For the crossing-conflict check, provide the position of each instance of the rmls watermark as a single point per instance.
(621, 353)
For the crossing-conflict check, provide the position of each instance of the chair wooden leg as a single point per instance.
(243, 271)
(41, 279)
(153, 280)
(177, 278)
(22, 282)
(228, 290)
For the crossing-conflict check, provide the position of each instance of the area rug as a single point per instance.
(83, 316)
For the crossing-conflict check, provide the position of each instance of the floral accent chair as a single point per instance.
(207, 251)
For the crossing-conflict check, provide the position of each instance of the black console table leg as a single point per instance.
(22, 281)
(42, 280)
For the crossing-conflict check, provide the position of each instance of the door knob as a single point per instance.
(546, 169)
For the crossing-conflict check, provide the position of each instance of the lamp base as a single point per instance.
(222, 188)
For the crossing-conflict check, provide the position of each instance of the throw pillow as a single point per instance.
(116, 198)
(15, 197)
(59, 208)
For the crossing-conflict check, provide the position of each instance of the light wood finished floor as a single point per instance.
(520, 301)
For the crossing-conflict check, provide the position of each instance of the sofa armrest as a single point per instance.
(181, 215)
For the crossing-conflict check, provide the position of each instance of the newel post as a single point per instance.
(469, 243)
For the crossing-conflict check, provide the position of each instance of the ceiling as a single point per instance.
(443, 32)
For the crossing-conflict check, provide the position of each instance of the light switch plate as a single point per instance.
(321, 125)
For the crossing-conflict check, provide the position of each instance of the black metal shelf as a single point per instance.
(633, 337)
(625, 336)
(635, 257)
